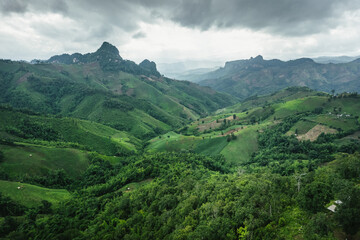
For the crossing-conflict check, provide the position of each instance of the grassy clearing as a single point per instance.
(344, 123)
(98, 137)
(34, 160)
(315, 132)
(298, 105)
(207, 144)
(346, 105)
(211, 146)
(302, 127)
(31, 195)
(135, 185)
(240, 150)
(173, 142)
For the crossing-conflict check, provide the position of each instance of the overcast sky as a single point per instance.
(176, 30)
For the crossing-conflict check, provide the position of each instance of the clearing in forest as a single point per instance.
(315, 132)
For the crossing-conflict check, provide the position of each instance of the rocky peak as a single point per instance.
(108, 50)
(150, 66)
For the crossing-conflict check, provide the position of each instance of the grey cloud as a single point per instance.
(22, 6)
(59, 6)
(12, 6)
(139, 35)
(283, 17)
(277, 16)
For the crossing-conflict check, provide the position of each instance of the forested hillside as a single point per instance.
(104, 88)
(266, 168)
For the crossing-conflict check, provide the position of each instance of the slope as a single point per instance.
(233, 132)
(104, 88)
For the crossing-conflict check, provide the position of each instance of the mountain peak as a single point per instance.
(150, 66)
(258, 58)
(108, 49)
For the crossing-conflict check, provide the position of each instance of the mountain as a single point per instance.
(337, 59)
(256, 76)
(105, 88)
(108, 58)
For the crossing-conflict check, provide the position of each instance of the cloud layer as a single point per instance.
(83, 24)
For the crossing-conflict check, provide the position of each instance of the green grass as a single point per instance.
(18, 162)
(135, 185)
(298, 105)
(31, 195)
(334, 122)
(287, 94)
(173, 142)
(240, 150)
(98, 137)
(211, 146)
(302, 127)
(350, 105)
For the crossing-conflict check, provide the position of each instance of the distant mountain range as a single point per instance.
(337, 59)
(256, 76)
(188, 70)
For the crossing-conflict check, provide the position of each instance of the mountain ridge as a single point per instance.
(245, 78)
(119, 93)
(109, 59)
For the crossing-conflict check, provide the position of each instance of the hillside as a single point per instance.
(256, 76)
(233, 131)
(68, 132)
(104, 88)
(270, 171)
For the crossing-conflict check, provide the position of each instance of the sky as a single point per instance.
(168, 31)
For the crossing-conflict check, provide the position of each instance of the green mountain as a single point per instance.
(104, 88)
(256, 76)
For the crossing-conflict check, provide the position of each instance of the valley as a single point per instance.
(93, 146)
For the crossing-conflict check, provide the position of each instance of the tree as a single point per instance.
(1, 156)
(243, 232)
(252, 119)
(45, 208)
(347, 213)
(314, 196)
(319, 226)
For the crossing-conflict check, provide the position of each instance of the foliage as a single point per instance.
(314, 196)
(348, 212)
(8, 207)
